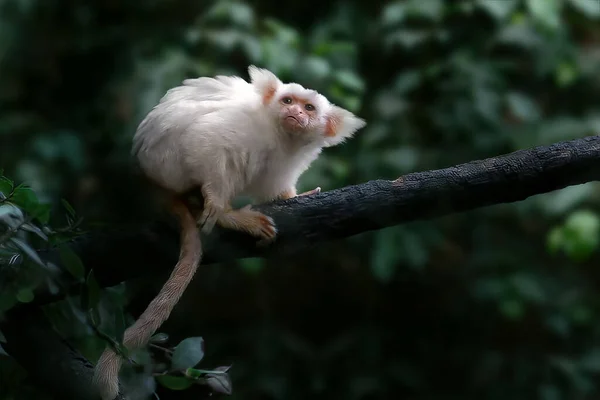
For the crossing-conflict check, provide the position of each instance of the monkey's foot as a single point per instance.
(249, 221)
(316, 190)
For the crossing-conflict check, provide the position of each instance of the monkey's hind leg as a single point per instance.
(213, 208)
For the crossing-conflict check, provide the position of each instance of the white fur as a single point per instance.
(217, 131)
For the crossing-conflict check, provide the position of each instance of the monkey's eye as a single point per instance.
(286, 100)
(309, 107)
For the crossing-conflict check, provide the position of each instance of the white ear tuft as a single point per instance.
(340, 125)
(265, 82)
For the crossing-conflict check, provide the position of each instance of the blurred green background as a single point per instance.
(497, 303)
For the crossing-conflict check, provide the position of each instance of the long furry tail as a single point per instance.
(106, 374)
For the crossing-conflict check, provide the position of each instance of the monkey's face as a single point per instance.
(309, 117)
(296, 113)
(300, 114)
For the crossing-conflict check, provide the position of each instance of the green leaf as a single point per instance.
(591, 361)
(217, 379)
(512, 309)
(579, 250)
(432, 9)
(590, 8)
(407, 81)
(188, 353)
(523, 107)
(528, 288)
(10, 211)
(317, 67)
(8, 299)
(140, 357)
(68, 207)
(93, 291)
(393, 14)
(25, 198)
(28, 250)
(546, 12)
(564, 200)
(194, 373)
(218, 10)
(285, 33)
(549, 392)
(585, 222)
(34, 229)
(25, 295)
(555, 240)
(174, 382)
(579, 237)
(350, 80)
(385, 255)
(498, 9)
(220, 383)
(565, 74)
(252, 265)
(72, 262)
(581, 314)
(159, 338)
(6, 187)
(93, 315)
(252, 48)
(339, 168)
(43, 212)
(120, 325)
(241, 14)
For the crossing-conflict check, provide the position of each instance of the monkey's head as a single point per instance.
(304, 113)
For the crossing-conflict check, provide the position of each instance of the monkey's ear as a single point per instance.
(341, 124)
(265, 81)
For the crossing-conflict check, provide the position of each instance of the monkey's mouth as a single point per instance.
(295, 123)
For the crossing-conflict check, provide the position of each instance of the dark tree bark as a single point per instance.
(304, 221)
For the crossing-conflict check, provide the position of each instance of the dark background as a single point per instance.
(498, 303)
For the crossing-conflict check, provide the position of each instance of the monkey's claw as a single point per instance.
(267, 227)
(316, 190)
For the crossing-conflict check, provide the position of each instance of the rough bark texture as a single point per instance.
(350, 210)
(120, 254)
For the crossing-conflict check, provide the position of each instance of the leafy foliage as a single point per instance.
(24, 229)
(492, 304)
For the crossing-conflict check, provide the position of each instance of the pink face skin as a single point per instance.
(297, 114)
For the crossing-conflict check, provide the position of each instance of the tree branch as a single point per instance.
(339, 213)
(119, 254)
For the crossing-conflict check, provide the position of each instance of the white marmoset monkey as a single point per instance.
(224, 137)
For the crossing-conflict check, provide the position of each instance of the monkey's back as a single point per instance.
(207, 128)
